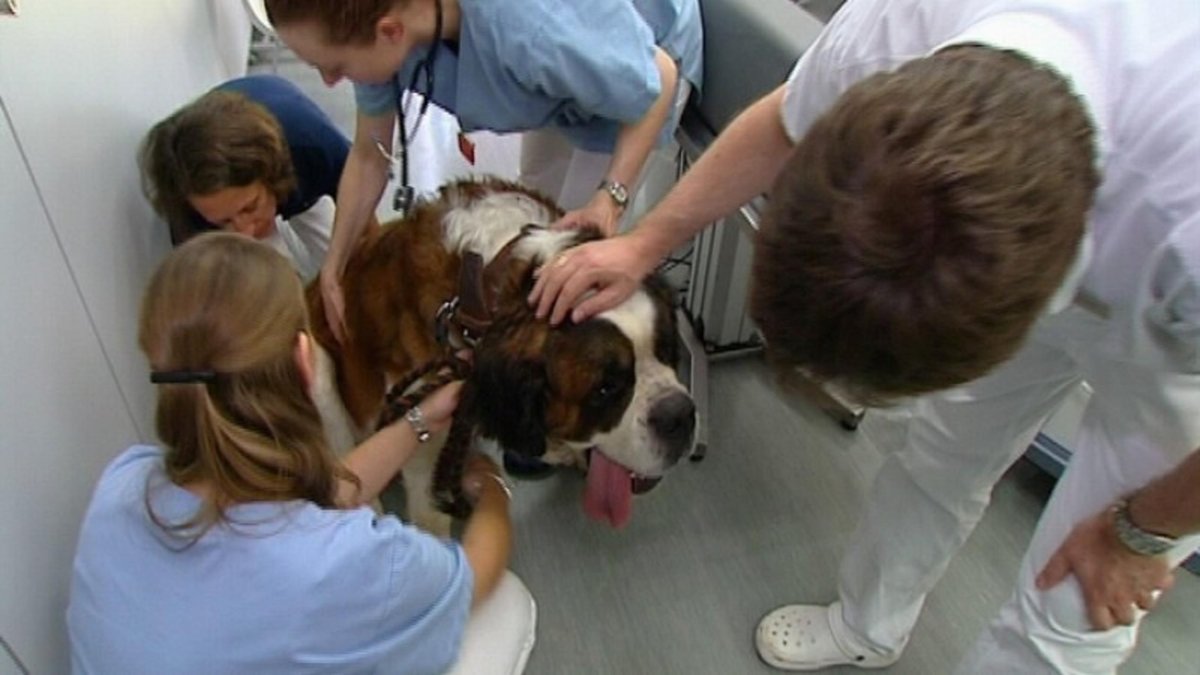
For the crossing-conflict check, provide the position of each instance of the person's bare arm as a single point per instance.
(634, 143)
(740, 164)
(363, 180)
(377, 460)
(1115, 580)
(1170, 505)
(487, 537)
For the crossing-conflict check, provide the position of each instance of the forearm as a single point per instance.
(1170, 504)
(636, 140)
(362, 183)
(375, 462)
(741, 164)
(363, 180)
(487, 539)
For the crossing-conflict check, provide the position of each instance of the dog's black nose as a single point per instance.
(673, 419)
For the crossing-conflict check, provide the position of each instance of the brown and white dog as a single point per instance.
(606, 385)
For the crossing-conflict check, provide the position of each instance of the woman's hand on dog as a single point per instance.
(335, 303)
(480, 471)
(600, 212)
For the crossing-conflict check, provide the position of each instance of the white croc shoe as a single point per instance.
(800, 637)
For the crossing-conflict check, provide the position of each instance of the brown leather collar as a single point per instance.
(463, 319)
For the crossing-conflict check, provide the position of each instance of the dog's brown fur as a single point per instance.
(394, 284)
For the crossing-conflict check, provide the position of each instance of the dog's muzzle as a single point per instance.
(673, 421)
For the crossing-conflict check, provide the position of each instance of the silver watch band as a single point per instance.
(417, 420)
(617, 191)
(1135, 538)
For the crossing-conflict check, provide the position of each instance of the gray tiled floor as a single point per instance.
(760, 522)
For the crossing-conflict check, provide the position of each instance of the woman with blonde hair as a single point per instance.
(243, 544)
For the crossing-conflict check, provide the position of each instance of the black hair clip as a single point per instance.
(182, 376)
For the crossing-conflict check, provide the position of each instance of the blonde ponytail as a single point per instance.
(230, 310)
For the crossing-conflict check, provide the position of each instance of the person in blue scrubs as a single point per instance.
(608, 76)
(243, 544)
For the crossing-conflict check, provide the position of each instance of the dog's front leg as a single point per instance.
(418, 479)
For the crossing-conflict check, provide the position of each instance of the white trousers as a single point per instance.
(928, 496)
(551, 165)
(500, 632)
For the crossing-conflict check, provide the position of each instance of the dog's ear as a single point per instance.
(507, 397)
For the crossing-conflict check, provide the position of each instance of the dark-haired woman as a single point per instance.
(253, 156)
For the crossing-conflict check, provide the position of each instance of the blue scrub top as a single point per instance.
(585, 67)
(288, 588)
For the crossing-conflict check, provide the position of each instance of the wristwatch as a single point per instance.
(617, 191)
(417, 420)
(1135, 538)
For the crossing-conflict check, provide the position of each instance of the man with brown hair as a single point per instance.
(983, 203)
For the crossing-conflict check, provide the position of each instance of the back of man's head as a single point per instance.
(922, 223)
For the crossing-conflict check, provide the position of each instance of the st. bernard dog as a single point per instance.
(601, 394)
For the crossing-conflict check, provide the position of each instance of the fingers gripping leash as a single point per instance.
(448, 472)
(396, 403)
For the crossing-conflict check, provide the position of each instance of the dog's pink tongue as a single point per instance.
(609, 495)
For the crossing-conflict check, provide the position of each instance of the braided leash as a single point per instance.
(396, 402)
(448, 471)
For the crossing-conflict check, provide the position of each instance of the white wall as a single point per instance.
(80, 82)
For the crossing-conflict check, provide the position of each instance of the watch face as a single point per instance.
(619, 194)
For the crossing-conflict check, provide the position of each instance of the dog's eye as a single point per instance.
(604, 392)
(614, 384)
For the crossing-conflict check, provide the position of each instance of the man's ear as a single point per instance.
(305, 360)
(390, 28)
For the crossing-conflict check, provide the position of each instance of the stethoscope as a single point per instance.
(403, 199)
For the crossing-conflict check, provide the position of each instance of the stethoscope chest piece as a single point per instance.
(402, 201)
(404, 197)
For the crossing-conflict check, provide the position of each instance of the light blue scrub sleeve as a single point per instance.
(599, 55)
(374, 100)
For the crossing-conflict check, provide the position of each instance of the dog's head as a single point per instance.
(606, 387)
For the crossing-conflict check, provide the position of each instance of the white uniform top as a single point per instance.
(304, 238)
(1136, 64)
